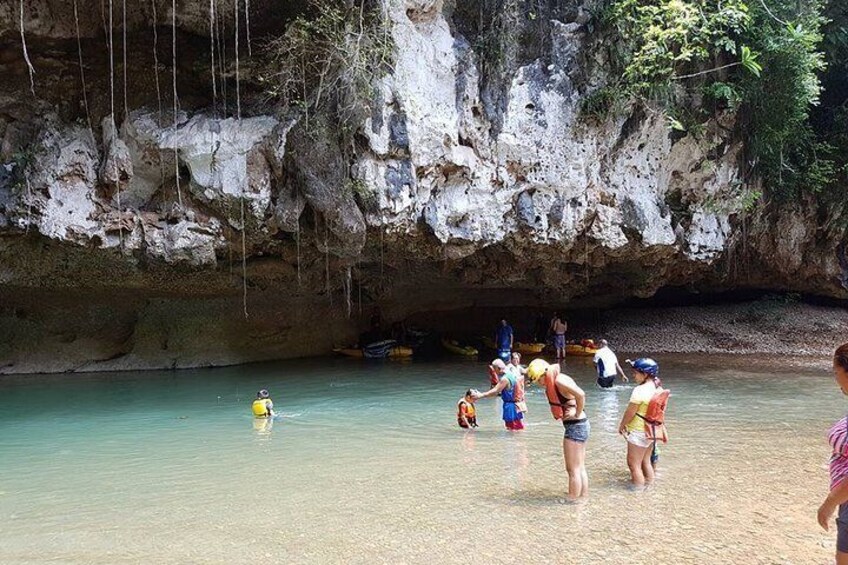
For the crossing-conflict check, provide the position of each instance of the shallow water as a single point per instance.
(367, 465)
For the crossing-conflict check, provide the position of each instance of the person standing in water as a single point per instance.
(508, 389)
(838, 439)
(607, 364)
(567, 400)
(503, 340)
(558, 329)
(640, 448)
(466, 415)
(519, 371)
(263, 407)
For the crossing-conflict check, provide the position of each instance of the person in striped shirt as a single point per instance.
(838, 439)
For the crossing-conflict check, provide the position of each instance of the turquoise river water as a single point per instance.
(367, 466)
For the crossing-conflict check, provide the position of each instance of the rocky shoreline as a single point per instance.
(762, 327)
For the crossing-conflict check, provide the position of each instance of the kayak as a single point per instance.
(454, 347)
(378, 350)
(523, 348)
(394, 353)
(528, 348)
(580, 350)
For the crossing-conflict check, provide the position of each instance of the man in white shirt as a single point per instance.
(607, 364)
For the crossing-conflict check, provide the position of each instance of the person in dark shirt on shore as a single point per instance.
(503, 340)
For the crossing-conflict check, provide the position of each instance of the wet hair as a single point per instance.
(469, 392)
(840, 356)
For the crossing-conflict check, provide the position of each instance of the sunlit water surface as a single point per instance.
(367, 466)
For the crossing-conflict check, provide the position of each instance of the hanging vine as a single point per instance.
(30, 68)
(174, 79)
(212, 55)
(124, 39)
(241, 200)
(82, 70)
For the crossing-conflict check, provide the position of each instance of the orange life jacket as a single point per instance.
(655, 416)
(465, 408)
(556, 401)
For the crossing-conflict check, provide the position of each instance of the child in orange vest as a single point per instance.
(466, 414)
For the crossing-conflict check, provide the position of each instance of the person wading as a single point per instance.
(838, 439)
(566, 401)
(511, 394)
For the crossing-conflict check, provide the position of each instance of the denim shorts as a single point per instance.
(576, 430)
(842, 529)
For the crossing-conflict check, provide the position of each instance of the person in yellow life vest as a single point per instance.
(466, 414)
(263, 407)
(643, 423)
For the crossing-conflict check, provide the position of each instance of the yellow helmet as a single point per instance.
(536, 369)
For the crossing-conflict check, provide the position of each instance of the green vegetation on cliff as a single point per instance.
(779, 63)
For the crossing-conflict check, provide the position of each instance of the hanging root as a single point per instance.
(111, 66)
(82, 71)
(124, 31)
(241, 200)
(327, 260)
(297, 241)
(30, 68)
(243, 258)
(238, 88)
(212, 54)
(222, 60)
(359, 284)
(347, 290)
(247, 26)
(174, 72)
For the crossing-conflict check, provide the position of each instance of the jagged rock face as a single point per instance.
(445, 199)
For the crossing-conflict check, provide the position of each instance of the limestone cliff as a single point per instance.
(134, 236)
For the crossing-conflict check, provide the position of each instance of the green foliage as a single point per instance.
(669, 39)
(783, 147)
(762, 59)
(327, 59)
(601, 104)
(738, 198)
(724, 94)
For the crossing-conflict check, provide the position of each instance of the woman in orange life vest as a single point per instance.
(641, 429)
(466, 414)
(510, 391)
(566, 401)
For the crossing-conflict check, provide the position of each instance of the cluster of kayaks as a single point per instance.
(391, 349)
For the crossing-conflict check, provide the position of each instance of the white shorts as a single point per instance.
(639, 439)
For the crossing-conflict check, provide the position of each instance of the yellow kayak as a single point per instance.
(528, 348)
(454, 347)
(523, 348)
(397, 352)
(580, 350)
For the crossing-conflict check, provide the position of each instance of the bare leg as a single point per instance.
(574, 453)
(841, 558)
(647, 468)
(635, 456)
(585, 491)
